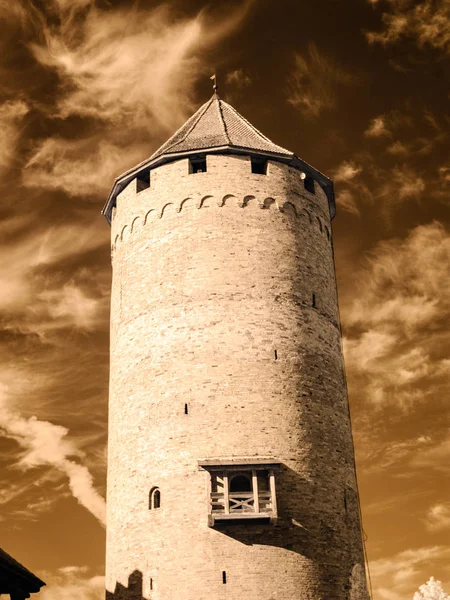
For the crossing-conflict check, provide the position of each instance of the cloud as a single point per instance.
(401, 175)
(398, 576)
(238, 78)
(426, 22)
(59, 164)
(70, 305)
(438, 517)
(35, 296)
(72, 583)
(346, 171)
(434, 457)
(125, 75)
(431, 590)
(402, 293)
(377, 127)
(45, 444)
(135, 82)
(314, 82)
(398, 148)
(11, 118)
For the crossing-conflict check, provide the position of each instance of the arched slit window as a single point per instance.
(154, 500)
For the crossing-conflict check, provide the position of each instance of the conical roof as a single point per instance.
(216, 127)
(218, 124)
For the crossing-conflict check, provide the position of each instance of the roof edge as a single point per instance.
(123, 180)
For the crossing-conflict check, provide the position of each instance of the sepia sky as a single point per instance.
(358, 89)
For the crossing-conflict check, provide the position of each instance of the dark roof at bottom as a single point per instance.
(14, 577)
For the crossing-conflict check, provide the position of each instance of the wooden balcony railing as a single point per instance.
(255, 504)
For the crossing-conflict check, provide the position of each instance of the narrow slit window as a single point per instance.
(259, 165)
(224, 576)
(276, 355)
(197, 165)
(309, 184)
(154, 499)
(151, 584)
(143, 181)
(186, 409)
(314, 300)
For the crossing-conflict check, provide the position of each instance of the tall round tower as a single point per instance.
(231, 469)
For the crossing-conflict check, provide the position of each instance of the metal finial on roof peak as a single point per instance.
(215, 86)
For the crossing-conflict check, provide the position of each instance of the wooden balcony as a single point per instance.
(257, 503)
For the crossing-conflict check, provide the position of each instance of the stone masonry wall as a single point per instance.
(213, 272)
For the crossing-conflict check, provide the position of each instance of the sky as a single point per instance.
(358, 89)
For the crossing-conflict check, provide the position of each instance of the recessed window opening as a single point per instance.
(276, 355)
(240, 483)
(143, 181)
(186, 409)
(314, 300)
(309, 184)
(197, 165)
(224, 576)
(151, 583)
(154, 499)
(259, 165)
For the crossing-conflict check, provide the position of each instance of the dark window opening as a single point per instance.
(345, 500)
(186, 409)
(240, 483)
(154, 499)
(314, 300)
(143, 181)
(197, 165)
(224, 576)
(151, 583)
(276, 355)
(309, 184)
(259, 165)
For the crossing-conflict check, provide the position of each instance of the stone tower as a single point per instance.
(231, 470)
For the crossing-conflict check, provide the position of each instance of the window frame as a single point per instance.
(243, 502)
(154, 492)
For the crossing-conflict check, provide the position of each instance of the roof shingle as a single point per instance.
(217, 124)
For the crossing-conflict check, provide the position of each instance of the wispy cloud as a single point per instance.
(238, 78)
(73, 583)
(377, 127)
(346, 171)
(59, 164)
(398, 576)
(400, 175)
(31, 298)
(403, 291)
(11, 118)
(46, 444)
(427, 22)
(314, 82)
(438, 517)
(132, 72)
